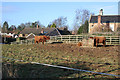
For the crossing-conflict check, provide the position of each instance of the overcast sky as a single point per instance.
(16, 13)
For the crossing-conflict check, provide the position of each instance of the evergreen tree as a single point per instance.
(83, 28)
(5, 26)
(53, 25)
(86, 25)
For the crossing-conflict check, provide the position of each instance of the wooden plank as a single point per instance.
(76, 38)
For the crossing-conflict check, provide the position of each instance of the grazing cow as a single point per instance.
(99, 39)
(41, 39)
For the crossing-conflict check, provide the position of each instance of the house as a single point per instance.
(74, 32)
(31, 32)
(13, 34)
(112, 21)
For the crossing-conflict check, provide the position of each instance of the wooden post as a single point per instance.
(110, 40)
(69, 38)
(77, 39)
(55, 38)
(119, 39)
(61, 38)
(27, 41)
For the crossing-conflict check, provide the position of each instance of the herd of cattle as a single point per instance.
(97, 39)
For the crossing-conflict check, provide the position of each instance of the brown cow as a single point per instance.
(41, 39)
(99, 39)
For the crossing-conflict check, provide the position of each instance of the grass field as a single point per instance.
(100, 59)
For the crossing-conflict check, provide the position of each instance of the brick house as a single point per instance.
(113, 21)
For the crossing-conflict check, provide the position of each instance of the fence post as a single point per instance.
(21, 42)
(69, 38)
(61, 38)
(77, 39)
(55, 38)
(119, 39)
(27, 41)
(110, 40)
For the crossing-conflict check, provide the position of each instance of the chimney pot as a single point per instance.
(37, 26)
(101, 12)
(99, 20)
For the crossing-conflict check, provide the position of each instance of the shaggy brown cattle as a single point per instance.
(41, 39)
(99, 39)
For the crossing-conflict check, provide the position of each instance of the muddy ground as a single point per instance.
(98, 59)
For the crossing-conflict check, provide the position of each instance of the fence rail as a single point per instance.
(24, 42)
(110, 40)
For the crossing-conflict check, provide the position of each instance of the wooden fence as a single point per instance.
(110, 40)
(24, 42)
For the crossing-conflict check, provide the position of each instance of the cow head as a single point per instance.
(47, 37)
(91, 37)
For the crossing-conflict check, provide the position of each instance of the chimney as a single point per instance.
(99, 20)
(99, 17)
(101, 12)
(37, 26)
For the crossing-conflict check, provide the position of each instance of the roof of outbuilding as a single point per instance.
(64, 32)
(36, 31)
(106, 19)
(47, 31)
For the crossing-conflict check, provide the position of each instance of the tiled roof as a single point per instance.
(47, 31)
(106, 19)
(36, 31)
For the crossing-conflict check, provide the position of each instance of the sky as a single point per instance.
(16, 13)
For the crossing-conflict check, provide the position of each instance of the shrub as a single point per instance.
(101, 28)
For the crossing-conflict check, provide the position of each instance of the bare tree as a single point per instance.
(60, 22)
(28, 24)
(80, 18)
(85, 15)
(12, 27)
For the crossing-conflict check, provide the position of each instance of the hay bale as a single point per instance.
(84, 42)
(89, 42)
(79, 44)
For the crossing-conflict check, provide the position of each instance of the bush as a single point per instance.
(9, 40)
(118, 28)
(101, 28)
(20, 38)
